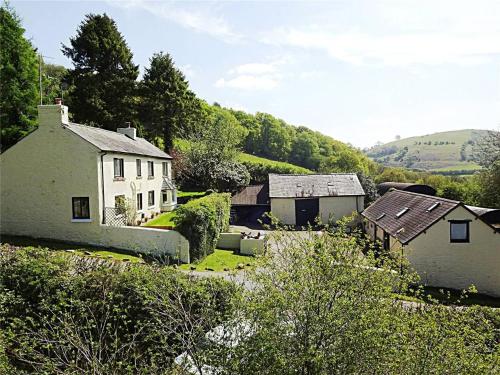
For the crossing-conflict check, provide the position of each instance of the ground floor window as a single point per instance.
(164, 196)
(81, 208)
(459, 231)
(139, 202)
(151, 198)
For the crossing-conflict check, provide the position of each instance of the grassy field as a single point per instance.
(194, 194)
(83, 250)
(165, 219)
(221, 260)
(444, 151)
(272, 163)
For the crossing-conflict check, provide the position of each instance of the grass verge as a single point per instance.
(165, 219)
(220, 260)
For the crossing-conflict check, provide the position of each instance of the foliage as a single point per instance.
(369, 187)
(61, 314)
(319, 307)
(53, 82)
(210, 154)
(127, 207)
(260, 168)
(19, 80)
(168, 107)
(487, 154)
(201, 221)
(103, 74)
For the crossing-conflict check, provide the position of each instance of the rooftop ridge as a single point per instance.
(432, 197)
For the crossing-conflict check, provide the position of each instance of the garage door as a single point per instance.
(306, 211)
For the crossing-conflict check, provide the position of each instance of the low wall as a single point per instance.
(252, 246)
(146, 240)
(229, 241)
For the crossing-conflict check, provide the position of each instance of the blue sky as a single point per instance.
(359, 71)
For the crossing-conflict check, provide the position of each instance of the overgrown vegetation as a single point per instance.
(221, 260)
(260, 168)
(61, 314)
(201, 221)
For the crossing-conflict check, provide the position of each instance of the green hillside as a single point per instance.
(441, 152)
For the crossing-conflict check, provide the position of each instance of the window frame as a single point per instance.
(139, 201)
(165, 168)
(73, 212)
(151, 194)
(138, 167)
(121, 168)
(467, 229)
(151, 169)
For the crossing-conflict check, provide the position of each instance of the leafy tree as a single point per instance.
(369, 187)
(168, 108)
(346, 161)
(487, 154)
(305, 150)
(19, 80)
(211, 154)
(54, 85)
(276, 139)
(103, 75)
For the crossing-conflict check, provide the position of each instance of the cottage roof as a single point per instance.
(253, 195)
(106, 140)
(404, 215)
(314, 185)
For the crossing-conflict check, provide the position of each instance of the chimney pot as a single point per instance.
(58, 101)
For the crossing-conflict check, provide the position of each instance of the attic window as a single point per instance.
(435, 205)
(380, 217)
(402, 212)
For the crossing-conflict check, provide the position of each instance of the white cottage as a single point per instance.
(68, 181)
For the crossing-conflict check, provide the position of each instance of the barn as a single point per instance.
(300, 199)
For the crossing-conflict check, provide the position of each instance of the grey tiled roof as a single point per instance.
(314, 185)
(107, 140)
(252, 195)
(384, 212)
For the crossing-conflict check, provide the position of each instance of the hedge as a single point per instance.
(260, 168)
(201, 221)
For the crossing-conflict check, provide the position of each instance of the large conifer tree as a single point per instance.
(18, 83)
(104, 75)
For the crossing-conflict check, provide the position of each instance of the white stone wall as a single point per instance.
(284, 210)
(338, 207)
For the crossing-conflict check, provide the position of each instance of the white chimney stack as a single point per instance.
(128, 131)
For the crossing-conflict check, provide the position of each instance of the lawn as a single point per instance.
(220, 260)
(83, 250)
(193, 194)
(165, 219)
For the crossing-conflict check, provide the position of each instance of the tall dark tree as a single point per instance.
(168, 107)
(19, 80)
(104, 75)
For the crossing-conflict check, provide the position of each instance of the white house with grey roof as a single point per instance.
(300, 199)
(67, 181)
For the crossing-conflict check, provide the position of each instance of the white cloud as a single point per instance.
(248, 82)
(255, 68)
(393, 50)
(194, 16)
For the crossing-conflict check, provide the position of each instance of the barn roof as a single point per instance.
(314, 185)
(384, 187)
(404, 215)
(253, 195)
(106, 140)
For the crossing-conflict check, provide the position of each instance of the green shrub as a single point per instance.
(201, 221)
(259, 168)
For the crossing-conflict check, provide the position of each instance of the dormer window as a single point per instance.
(402, 212)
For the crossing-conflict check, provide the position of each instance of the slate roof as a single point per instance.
(254, 195)
(314, 185)
(384, 212)
(106, 140)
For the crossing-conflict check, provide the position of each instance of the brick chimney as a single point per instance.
(53, 115)
(128, 131)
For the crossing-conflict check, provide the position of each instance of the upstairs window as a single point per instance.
(165, 169)
(459, 231)
(151, 169)
(81, 208)
(118, 167)
(151, 198)
(138, 167)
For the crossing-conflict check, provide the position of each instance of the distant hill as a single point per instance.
(445, 152)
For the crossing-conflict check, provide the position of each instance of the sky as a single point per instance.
(359, 71)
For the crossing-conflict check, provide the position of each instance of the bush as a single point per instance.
(201, 221)
(75, 315)
(259, 168)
